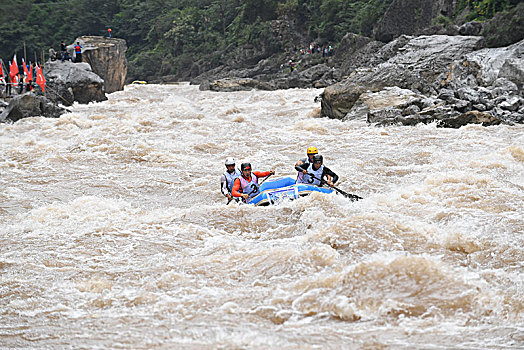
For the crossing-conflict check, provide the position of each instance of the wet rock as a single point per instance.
(460, 105)
(385, 116)
(511, 104)
(240, 84)
(470, 28)
(416, 66)
(468, 94)
(374, 102)
(446, 94)
(74, 80)
(471, 117)
(107, 58)
(516, 117)
(359, 111)
(30, 105)
(411, 110)
(479, 107)
(504, 87)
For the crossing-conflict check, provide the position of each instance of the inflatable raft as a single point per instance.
(273, 191)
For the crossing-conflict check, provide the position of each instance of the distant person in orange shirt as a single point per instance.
(109, 32)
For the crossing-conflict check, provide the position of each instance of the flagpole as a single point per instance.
(25, 58)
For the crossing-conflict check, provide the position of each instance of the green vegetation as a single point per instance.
(481, 10)
(186, 37)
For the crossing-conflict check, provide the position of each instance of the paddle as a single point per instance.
(353, 197)
(261, 182)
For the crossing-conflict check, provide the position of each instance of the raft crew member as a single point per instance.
(228, 178)
(246, 185)
(318, 169)
(310, 152)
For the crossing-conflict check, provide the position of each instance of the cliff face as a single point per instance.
(107, 57)
(410, 16)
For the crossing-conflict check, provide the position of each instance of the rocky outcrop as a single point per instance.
(30, 105)
(107, 58)
(318, 76)
(480, 86)
(416, 67)
(411, 17)
(68, 82)
(484, 67)
(230, 84)
(505, 28)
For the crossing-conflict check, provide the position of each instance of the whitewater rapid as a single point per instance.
(114, 233)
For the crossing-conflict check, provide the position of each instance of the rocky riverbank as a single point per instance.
(452, 80)
(102, 71)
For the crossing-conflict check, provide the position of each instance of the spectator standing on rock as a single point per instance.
(20, 84)
(291, 65)
(7, 85)
(63, 50)
(52, 54)
(109, 32)
(78, 52)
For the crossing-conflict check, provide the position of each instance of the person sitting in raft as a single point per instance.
(228, 178)
(318, 170)
(246, 185)
(310, 152)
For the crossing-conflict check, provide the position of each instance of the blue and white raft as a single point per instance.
(273, 191)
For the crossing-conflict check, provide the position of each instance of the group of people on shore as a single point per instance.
(64, 54)
(326, 51)
(22, 79)
(243, 184)
(19, 80)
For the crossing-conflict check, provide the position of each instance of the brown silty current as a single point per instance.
(115, 234)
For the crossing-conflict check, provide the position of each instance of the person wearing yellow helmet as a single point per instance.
(310, 152)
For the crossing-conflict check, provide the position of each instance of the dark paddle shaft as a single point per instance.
(353, 197)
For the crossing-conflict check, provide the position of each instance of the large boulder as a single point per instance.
(416, 67)
(356, 51)
(484, 67)
(369, 103)
(68, 82)
(234, 84)
(411, 16)
(107, 58)
(30, 105)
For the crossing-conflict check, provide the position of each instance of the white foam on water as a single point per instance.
(115, 234)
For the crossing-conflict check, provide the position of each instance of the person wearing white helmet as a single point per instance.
(228, 178)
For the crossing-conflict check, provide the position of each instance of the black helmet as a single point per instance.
(245, 166)
(317, 158)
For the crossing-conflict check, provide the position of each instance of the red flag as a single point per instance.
(30, 72)
(24, 67)
(13, 69)
(1, 70)
(40, 79)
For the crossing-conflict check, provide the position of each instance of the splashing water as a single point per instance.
(115, 234)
